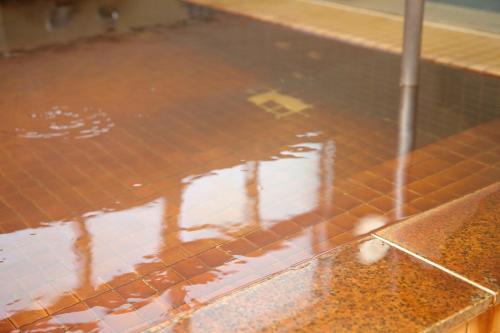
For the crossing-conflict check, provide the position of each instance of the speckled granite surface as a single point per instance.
(359, 287)
(463, 236)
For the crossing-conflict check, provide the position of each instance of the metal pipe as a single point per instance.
(412, 41)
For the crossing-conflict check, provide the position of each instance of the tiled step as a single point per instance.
(421, 285)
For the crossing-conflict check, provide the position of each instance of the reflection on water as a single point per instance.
(59, 258)
(183, 189)
(26, 25)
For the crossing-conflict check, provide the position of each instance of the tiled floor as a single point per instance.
(448, 45)
(138, 184)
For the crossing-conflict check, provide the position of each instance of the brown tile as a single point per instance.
(262, 237)
(307, 219)
(22, 318)
(365, 210)
(328, 209)
(78, 316)
(443, 195)
(196, 247)
(190, 267)
(463, 169)
(172, 255)
(491, 173)
(468, 184)
(440, 179)
(285, 228)
(238, 247)
(123, 321)
(462, 236)
(148, 267)
(44, 325)
(176, 295)
(135, 290)
(214, 257)
(381, 185)
(108, 301)
(85, 292)
(161, 280)
(120, 280)
(363, 193)
(345, 201)
(487, 158)
(62, 302)
(154, 311)
(6, 326)
(364, 176)
(425, 203)
(345, 221)
(421, 187)
(383, 203)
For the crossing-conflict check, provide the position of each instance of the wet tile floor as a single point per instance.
(147, 173)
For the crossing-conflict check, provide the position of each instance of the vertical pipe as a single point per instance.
(412, 41)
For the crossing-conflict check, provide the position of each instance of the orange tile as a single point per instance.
(190, 267)
(328, 209)
(363, 193)
(345, 221)
(424, 203)
(196, 247)
(148, 267)
(381, 185)
(421, 187)
(44, 325)
(172, 255)
(119, 280)
(76, 317)
(122, 321)
(238, 247)
(62, 302)
(214, 257)
(176, 295)
(345, 201)
(308, 219)
(262, 237)
(85, 292)
(365, 210)
(162, 280)
(6, 326)
(285, 228)
(27, 317)
(383, 203)
(135, 290)
(105, 303)
(154, 311)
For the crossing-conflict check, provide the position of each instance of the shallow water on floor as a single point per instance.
(153, 171)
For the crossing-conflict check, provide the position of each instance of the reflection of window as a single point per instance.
(289, 186)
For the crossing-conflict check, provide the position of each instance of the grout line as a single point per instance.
(438, 266)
